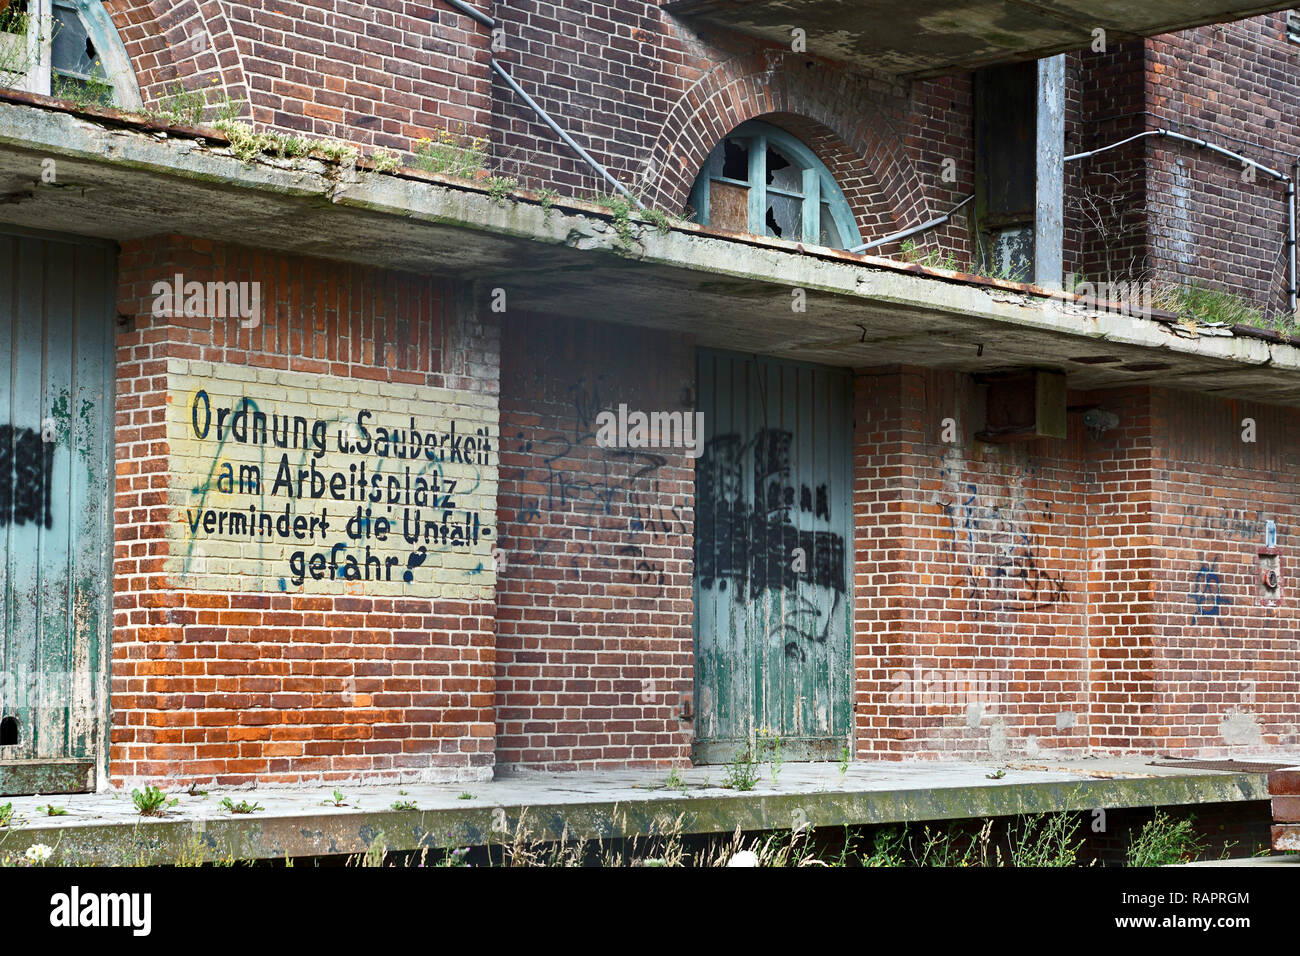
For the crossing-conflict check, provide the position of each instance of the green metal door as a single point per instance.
(56, 308)
(773, 540)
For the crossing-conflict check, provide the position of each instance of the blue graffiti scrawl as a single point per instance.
(1207, 593)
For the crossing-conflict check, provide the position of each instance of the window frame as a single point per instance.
(819, 186)
(113, 57)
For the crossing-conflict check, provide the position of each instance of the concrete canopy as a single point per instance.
(925, 39)
(116, 179)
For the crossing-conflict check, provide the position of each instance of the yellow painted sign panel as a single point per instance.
(288, 482)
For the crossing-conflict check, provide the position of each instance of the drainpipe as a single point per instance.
(1290, 181)
(1291, 241)
(545, 117)
(897, 236)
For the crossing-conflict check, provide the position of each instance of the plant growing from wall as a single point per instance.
(180, 107)
(742, 772)
(83, 93)
(336, 151)
(1114, 221)
(452, 154)
(243, 806)
(6, 814)
(385, 160)
(927, 258)
(769, 746)
(1163, 841)
(620, 211)
(1198, 304)
(661, 220)
(500, 188)
(15, 57)
(151, 801)
(548, 197)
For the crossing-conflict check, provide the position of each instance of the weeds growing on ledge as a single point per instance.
(1046, 840)
(1163, 842)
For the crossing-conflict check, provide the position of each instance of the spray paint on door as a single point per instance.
(773, 533)
(56, 487)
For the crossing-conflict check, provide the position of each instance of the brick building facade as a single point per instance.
(520, 595)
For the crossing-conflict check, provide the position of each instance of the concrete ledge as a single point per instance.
(105, 829)
(119, 178)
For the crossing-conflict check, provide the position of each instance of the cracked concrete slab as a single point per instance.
(948, 35)
(104, 828)
(118, 179)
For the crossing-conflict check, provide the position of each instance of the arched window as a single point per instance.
(65, 48)
(762, 180)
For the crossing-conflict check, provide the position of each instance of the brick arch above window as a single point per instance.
(854, 134)
(180, 42)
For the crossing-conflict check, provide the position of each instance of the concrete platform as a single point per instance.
(104, 828)
(1283, 861)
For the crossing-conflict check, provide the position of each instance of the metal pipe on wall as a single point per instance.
(545, 117)
(897, 236)
(1293, 292)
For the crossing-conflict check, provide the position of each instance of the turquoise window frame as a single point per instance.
(819, 185)
(115, 64)
(114, 69)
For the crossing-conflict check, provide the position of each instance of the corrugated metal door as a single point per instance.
(773, 541)
(56, 308)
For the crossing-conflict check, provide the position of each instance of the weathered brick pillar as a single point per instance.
(1122, 560)
(305, 521)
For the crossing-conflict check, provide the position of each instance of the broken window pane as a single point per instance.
(735, 163)
(784, 217)
(829, 232)
(782, 173)
(72, 51)
(78, 68)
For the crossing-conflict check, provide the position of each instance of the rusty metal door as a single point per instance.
(56, 489)
(773, 541)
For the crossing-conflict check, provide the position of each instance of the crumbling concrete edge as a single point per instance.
(438, 200)
(350, 831)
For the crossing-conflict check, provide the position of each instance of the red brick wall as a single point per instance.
(971, 598)
(1105, 196)
(649, 98)
(1226, 660)
(642, 92)
(383, 72)
(1236, 84)
(594, 638)
(1101, 591)
(1175, 212)
(1121, 506)
(284, 687)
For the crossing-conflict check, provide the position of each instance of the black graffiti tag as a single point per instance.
(26, 467)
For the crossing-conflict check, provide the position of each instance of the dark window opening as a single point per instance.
(735, 161)
(9, 732)
(772, 227)
(1293, 25)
